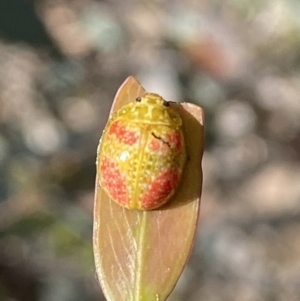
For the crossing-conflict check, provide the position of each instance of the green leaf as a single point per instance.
(140, 255)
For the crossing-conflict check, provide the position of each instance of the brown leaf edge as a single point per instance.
(139, 255)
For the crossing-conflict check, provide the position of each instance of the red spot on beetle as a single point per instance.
(114, 182)
(160, 188)
(123, 133)
(175, 140)
(157, 145)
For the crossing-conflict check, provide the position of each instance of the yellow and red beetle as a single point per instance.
(142, 153)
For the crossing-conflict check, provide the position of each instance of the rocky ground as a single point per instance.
(61, 64)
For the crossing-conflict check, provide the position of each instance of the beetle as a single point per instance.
(142, 153)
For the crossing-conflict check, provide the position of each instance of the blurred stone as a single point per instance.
(235, 119)
(44, 136)
(101, 28)
(62, 23)
(80, 114)
(274, 190)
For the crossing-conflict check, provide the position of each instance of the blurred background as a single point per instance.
(61, 63)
